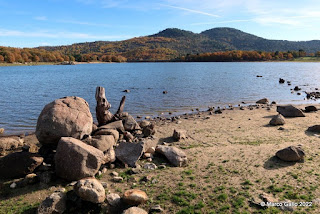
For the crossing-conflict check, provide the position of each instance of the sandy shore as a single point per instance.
(231, 162)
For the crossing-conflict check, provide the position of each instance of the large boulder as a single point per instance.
(134, 210)
(135, 197)
(277, 120)
(90, 189)
(75, 160)
(10, 143)
(65, 117)
(130, 124)
(53, 204)
(176, 156)
(129, 153)
(290, 111)
(291, 153)
(101, 142)
(19, 164)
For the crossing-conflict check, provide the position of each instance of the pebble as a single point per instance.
(115, 174)
(13, 185)
(117, 179)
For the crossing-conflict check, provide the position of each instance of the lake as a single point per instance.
(25, 90)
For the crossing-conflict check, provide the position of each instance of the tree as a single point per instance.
(1, 58)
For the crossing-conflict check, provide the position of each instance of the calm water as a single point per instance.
(24, 90)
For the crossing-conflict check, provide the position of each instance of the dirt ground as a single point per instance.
(231, 162)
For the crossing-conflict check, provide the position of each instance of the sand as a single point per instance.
(231, 162)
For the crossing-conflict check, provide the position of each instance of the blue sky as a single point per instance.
(58, 22)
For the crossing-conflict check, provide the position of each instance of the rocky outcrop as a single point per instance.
(129, 153)
(290, 111)
(291, 153)
(19, 164)
(65, 117)
(277, 120)
(75, 160)
(90, 189)
(176, 156)
(134, 197)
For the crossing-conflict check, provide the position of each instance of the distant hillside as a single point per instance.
(172, 43)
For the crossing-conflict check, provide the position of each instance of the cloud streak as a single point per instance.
(190, 10)
(68, 35)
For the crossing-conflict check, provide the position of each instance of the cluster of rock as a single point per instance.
(75, 149)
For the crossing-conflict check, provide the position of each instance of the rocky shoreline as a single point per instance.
(123, 166)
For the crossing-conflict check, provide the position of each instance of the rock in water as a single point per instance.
(310, 109)
(263, 101)
(90, 189)
(291, 153)
(134, 210)
(135, 197)
(277, 120)
(55, 203)
(176, 156)
(65, 117)
(290, 111)
(75, 160)
(19, 164)
(129, 153)
(179, 134)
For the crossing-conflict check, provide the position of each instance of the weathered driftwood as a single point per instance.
(121, 106)
(104, 116)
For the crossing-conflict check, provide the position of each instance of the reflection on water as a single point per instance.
(24, 90)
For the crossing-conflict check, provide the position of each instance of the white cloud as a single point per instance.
(190, 10)
(41, 18)
(83, 23)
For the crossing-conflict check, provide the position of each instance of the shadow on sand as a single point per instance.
(275, 163)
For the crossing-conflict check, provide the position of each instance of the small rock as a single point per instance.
(126, 91)
(281, 128)
(13, 185)
(115, 174)
(291, 153)
(128, 136)
(281, 80)
(263, 101)
(150, 166)
(277, 120)
(151, 150)
(296, 88)
(147, 155)
(55, 203)
(179, 134)
(90, 189)
(156, 209)
(310, 109)
(134, 210)
(113, 199)
(149, 159)
(149, 130)
(176, 156)
(135, 197)
(117, 179)
(144, 123)
(162, 166)
(315, 128)
(1, 130)
(165, 92)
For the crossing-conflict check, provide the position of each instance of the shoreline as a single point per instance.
(231, 155)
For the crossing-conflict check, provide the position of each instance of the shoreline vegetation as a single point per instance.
(231, 168)
(39, 56)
